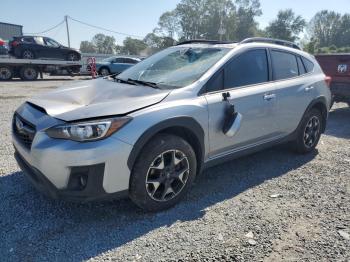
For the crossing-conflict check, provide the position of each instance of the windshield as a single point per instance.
(175, 67)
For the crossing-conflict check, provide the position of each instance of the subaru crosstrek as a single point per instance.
(149, 132)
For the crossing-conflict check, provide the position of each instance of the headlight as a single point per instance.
(88, 131)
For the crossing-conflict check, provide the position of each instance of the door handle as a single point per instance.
(308, 88)
(269, 97)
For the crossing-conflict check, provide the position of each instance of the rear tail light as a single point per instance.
(14, 43)
(328, 80)
(2, 43)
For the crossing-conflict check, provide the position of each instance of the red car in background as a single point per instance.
(3, 47)
(337, 66)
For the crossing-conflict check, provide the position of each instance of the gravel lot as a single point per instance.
(271, 206)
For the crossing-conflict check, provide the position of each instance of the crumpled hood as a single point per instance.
(97, 98)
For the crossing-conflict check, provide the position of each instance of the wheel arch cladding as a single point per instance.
(184, 127)
(321, 105)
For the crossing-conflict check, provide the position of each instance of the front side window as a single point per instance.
(216, 82)
(248, 68)
(284, 65)
(175, 67)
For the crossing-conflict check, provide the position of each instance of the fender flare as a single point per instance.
(319, 100)
(177, 122)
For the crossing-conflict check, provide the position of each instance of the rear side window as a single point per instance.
(130, 61)
(301, 67)
(27, 40)
(308, 65)
(119, 60)
(39, 40)
(284, 65)
(248, 68)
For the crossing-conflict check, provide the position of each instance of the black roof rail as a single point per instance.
(270, 40)
(203, 41)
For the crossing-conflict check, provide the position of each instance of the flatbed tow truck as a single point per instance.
(31, 69)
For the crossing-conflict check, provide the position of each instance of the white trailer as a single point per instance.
(30, 69)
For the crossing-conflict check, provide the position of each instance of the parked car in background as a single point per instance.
(115, 65)
(149, 133)
(337, 66)
(35, 47)
(3, 47)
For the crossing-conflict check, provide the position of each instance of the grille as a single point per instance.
(23, 131)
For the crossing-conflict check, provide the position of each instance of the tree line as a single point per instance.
(231, 20)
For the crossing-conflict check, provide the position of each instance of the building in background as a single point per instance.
(7, 31)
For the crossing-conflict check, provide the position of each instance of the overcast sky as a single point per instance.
(136, 17)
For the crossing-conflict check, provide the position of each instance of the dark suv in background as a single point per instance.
(33, 47)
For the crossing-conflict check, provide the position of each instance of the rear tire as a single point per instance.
(5, 73)
(27, 54)
(309, 132)
(163, 173)
(29, 73)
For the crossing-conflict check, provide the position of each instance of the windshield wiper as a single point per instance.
(145, 83)
(138, 82)
(125, 81)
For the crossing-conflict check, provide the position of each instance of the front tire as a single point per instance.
(309, 132)
(163, 173)
(73, 57)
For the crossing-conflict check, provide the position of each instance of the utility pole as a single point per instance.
(66, 20)
(222, 30)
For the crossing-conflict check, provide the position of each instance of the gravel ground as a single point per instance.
(271, 206)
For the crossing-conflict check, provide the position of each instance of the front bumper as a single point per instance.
(92, 191)
(340, 92)
(56, 166)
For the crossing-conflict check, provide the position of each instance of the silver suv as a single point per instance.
(148, 133)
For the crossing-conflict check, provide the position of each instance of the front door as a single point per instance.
(53, 49)
(245, 80)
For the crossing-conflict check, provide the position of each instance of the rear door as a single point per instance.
(27, 43)
(118, 65)
(246, 79)
(39, 47)
(294, 88)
